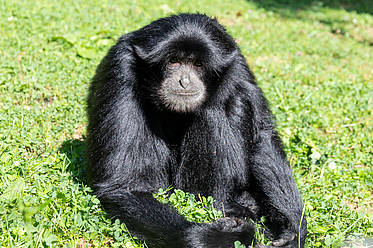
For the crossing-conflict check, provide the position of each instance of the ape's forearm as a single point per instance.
(276, 190)
(158, 224)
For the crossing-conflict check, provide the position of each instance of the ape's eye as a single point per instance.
(198, 63)
(174, 62)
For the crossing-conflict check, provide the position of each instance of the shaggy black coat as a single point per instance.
(227, 148)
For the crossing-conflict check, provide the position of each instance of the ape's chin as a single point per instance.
(183, 102)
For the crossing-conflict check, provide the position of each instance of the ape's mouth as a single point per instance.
(186, 93)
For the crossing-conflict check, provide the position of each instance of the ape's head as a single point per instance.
(183, 60)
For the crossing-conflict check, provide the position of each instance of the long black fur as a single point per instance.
(227, 148)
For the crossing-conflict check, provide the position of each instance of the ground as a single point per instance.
(314, 61)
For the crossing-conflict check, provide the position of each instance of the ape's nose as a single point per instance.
(184, 81)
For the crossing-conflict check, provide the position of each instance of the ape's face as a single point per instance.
(183, 68)
(182, 89)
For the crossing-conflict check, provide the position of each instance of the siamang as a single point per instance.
(175, 104)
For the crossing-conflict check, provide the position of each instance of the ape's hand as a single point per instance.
(221, 233)
(286, 240)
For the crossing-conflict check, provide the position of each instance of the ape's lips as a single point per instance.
(186, 93)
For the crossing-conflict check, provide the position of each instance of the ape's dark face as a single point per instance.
(182, 89)
(176, 74)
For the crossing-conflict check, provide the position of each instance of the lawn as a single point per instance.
(313, 60)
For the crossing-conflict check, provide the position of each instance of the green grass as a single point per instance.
(314, 61)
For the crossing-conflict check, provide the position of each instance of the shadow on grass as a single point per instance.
(75, 151)
(337, 24)
(289, 8)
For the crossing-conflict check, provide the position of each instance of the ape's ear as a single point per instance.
(220, 62)
(228, 59)
(146, 55)
(150, 54)
(140, 53)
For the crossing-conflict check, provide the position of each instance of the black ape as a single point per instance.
(175, 103)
